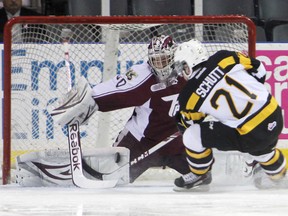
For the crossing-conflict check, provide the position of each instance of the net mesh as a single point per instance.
(98, 52)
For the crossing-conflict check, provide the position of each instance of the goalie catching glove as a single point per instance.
(77, 105)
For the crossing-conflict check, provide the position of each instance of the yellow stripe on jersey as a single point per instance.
(192, 101)
(226, 62)
(256, 120)
(245, 61)
(204, 154)
(193, 115)
(273, 159)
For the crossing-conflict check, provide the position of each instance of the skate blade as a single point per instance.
(201, 188)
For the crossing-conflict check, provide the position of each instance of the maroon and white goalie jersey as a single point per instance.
(153, 116)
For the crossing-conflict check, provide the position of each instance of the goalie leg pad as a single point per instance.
(112, 162)
(47, 168)
(51, 168)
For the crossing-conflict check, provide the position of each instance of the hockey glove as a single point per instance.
(78, 105)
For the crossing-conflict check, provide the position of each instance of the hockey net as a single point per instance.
(100, 48)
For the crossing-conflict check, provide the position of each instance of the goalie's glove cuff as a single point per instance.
(78, 105)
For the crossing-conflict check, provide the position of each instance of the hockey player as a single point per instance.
(152, 89)
(230, 87)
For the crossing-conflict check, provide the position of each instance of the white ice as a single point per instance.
(228, 195)
(145, 198)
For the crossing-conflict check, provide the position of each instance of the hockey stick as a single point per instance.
(141, 157)
(78, 178)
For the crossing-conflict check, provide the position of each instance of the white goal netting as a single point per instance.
(99, 49)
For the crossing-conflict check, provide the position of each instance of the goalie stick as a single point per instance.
(145, 154)
(78, 177)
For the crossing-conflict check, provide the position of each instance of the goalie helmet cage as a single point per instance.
(99, 48)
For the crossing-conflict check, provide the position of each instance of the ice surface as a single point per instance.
(231, 195)
(143, 198)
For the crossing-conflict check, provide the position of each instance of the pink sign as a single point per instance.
(276, 64)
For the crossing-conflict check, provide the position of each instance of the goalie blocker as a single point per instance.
(52, 167)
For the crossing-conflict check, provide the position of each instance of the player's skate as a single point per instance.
(192, 182)
(264, 181)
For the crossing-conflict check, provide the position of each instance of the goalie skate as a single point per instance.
(192, 182)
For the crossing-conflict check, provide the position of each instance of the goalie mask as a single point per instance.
(188, 55)
(161, 56)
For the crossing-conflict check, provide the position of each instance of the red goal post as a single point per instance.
(100, 47)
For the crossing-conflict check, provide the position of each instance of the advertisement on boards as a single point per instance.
(273, 56)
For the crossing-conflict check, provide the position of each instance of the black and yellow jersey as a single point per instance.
(229, 87)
